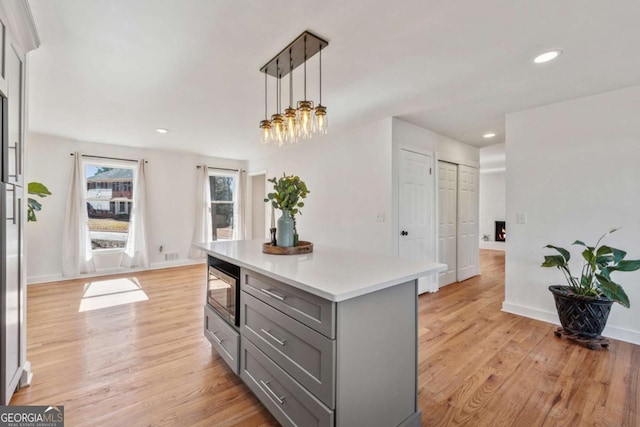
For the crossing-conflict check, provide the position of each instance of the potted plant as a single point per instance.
(287, 196)
(584, 305)
(33, 206)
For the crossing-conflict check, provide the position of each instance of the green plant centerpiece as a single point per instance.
(287, 195)
(584, 304)
(33, 206)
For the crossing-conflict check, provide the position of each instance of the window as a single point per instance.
(223, 200)
(109, 202)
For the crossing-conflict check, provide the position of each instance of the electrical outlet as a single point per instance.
(161, 248)
(521, 218)
(380, 217)
(171, 257)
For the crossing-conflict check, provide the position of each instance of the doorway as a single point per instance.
(258, 211)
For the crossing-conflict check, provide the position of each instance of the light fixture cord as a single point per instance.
(305, 68)
(265, 94)
(278, 85)
(320, 73)
(290, 80)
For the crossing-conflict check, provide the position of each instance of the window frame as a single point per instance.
(233, 202)
(115, 164)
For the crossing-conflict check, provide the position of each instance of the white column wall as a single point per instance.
(349, 175)
(574, 170)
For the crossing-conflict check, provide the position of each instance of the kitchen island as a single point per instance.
(327, 338)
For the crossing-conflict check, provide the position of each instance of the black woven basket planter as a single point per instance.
(579, 314)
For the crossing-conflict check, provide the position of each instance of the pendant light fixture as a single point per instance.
(305, 107)
(265, 125)
(290, 114)
(277, 120)
(303, 121)
(321, 121)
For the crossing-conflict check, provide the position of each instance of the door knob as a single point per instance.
(404, 233)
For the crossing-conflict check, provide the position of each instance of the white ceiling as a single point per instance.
(114, 70)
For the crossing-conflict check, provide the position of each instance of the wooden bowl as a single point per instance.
(302, 248)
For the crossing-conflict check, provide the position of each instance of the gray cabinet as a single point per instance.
(286, 399)
(224, 338)
(17, 37)
(306, 355)
(314, 362)
(13, 145)
(311, 310)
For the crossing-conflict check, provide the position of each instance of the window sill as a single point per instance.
(107, 251)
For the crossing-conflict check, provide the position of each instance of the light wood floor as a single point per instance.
(147, 363)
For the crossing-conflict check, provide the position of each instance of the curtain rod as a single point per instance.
(109, 158)
(219, 169)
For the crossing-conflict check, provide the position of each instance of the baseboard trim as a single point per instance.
(493, 246)
(614, 332)
(113, 271)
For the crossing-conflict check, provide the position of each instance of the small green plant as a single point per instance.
(33, 206)
(288, 194)
(599, 262)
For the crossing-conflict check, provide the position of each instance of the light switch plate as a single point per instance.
(521, 218)
(380, 217)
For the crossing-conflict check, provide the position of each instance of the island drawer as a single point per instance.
(315, 312)
(289, 403)
(223, 338)
(306, 355)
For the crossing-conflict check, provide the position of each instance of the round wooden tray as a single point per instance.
(302, 248)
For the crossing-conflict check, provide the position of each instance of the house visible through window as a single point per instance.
(223, 199)
(109, 203)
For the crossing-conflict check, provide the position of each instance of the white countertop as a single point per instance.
(331, 273)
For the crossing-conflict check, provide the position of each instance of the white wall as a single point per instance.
(349, 176)
(574, 169)
(171, 183)
(492, 204)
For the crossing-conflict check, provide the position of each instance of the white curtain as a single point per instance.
(239, 223)
(202, 232)
(136, 253)
(77, 256)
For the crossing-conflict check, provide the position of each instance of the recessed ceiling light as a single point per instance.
(161, 130)
(547, 56)
(489, 135)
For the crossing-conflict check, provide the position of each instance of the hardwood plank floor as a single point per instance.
(147, 362)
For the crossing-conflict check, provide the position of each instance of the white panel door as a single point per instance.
(416, 206)
(468, 250)
(448, 221)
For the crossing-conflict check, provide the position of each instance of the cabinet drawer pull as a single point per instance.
(282, 343)
(12, 189)
(272, 294)
(16, 153)
(215, 337)
(265, 384)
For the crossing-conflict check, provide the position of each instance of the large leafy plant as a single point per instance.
(599, 262)
(288, 193)
(33, 206)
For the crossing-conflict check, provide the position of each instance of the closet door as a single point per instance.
(447, 221)
(468, 243)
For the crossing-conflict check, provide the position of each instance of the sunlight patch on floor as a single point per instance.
(110, 293)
